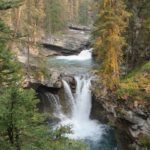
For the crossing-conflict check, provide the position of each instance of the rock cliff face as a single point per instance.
(52, 79)
(130, 124)
(70, 42)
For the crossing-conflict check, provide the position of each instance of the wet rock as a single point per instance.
(133, 121)
(68, 78)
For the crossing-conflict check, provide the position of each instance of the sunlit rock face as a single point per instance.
(69, 43)
(130, 123)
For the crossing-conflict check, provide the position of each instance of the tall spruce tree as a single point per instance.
(20, 122)
(108, 40)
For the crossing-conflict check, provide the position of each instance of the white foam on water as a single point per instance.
(84, 55)
(82, 126)
(80, 103)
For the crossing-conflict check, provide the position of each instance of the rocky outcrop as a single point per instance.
(70, 42)
(51, 78)
(139, 121)
(131, 123)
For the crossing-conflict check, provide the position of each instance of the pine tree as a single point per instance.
(108, 40)
(19, 119)
(18, 113)
(7, 65)
(83, 12)
(138, 33)
(4, 4)
(54, 19)
(8, 69)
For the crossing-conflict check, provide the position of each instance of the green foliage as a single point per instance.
(7, 4)
(137, 70)
(3, 28)
(8, 67)
(108, 40)
(5, 32)
(138, 32)
(59, 142)
(54, 16)
(120, 111)
(132, 147)
(135, 86)
(20, 122)
(145, 142)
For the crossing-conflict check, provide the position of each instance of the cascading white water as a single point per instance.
(55, 102)
(80, 102)
(68, 93)
(84, 55)
(82, 99)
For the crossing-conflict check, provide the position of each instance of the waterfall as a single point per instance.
(82, 56)
(68, 93)
(82, 99)
(54, 102)
(79, 119)
(74, 108)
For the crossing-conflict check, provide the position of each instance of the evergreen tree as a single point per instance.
(7, 65)
(83, 12)
(8, 69)
(55, 21)
(19, 119)
(7, 4)
(108, 40)
(138, 33)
